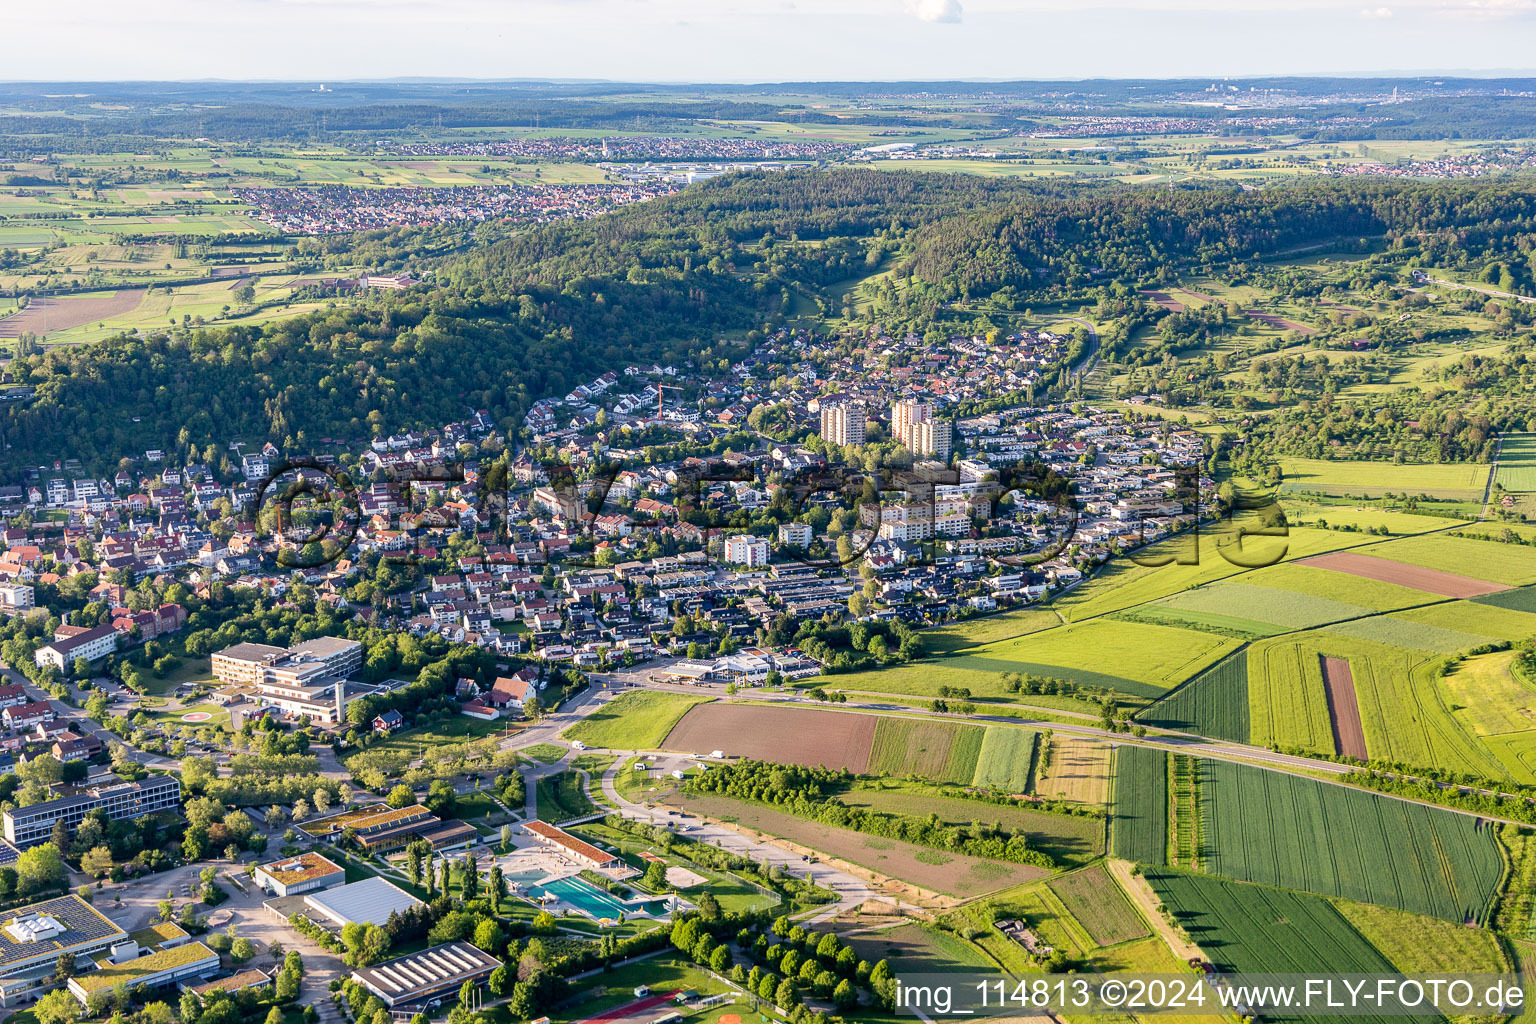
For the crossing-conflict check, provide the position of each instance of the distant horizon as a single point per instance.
(1394, 75)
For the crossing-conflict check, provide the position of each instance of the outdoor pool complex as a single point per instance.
(589, 899)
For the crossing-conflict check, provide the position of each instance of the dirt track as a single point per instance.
(788, 735)
(1343, 708)
(1447, 584)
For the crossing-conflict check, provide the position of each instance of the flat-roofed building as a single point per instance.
(411, 982)
(307, 679)
(28, 826)
(35, 935)
(370, 901)
(380, 828)
(157, 970)
(308, 872)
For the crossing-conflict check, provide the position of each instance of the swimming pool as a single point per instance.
(589, 899)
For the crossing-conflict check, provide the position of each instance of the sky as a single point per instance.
(758, 40)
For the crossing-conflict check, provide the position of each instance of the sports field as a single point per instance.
(1299, 833)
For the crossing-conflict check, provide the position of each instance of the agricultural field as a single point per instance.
(987, 629)
(1508, 564)
(1411, 634)
(1517, 463)
(915, 949)
(1521, 599)
(1484, 618)
(1376, 566)
(1462, 481)
(1416, 944)
(1077, 769)
(942, 751)
(1243, 928)
(1498, 705)
(636, 720)
(1005, 759)
(1093, 898)
(1124, 584)
(1314, 582)
(1260, 610)
(831, 739)
(951, 874)
(1139, 826)
(1133, 658)
(1069, 839)
(1214, 703)
(1299, 833)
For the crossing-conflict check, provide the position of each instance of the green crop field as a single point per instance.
(942, 751)
(637, 720)
(1299, 833)
(1004, 762)
(1497, 704)
(1416, 944)
(1413, 635)
(1093, 897)
(1245, 928)
(987, 629)
(1509, 564)
(1214, 703)
(1278, 610)
(1377, 595)
(1139, 827)
(1403, 710)
(1287, 706)
(1517, 463)
(1461, 480)
(1483, 618)
(1522, 599)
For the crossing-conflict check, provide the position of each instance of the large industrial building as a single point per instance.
(410, 983)
(28, 826)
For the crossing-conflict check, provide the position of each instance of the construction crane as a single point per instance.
(661, 390)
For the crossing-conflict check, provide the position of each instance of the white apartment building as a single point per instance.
(745, 549)
(798, 534)
(16, 597)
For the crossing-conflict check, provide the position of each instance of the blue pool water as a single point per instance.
(588, 898)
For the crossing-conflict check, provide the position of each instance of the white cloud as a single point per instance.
(947, 11)
(1376, 13)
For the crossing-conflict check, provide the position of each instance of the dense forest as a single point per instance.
(512, 316)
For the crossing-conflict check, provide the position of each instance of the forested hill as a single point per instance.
(535, 313)
(1146, 235)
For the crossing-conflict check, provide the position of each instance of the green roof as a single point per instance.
(134, 971)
